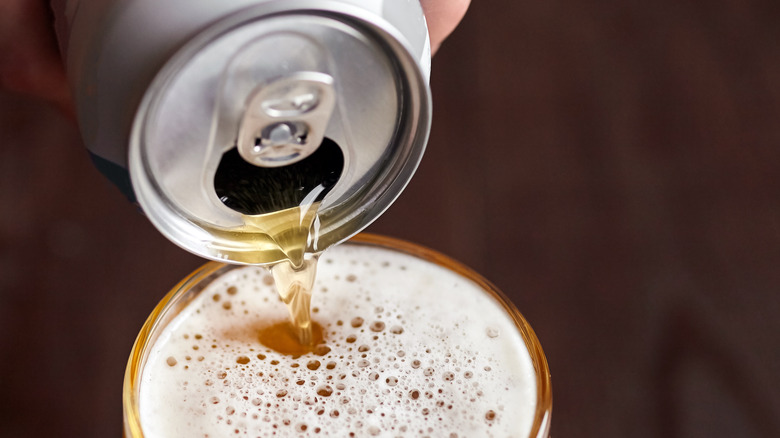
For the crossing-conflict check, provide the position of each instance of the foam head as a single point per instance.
(410, 349)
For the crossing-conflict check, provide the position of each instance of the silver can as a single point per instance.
(165, 90)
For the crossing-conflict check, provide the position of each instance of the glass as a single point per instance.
(190, 287)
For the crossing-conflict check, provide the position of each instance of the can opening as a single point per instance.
(252, 190)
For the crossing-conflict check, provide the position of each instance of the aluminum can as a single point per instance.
(164, 88)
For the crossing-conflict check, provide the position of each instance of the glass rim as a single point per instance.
(131, 384)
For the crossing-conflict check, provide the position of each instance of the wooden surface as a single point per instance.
(613, 166)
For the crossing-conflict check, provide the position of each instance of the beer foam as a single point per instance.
(415, 350)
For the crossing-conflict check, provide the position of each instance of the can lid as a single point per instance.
(278, 83)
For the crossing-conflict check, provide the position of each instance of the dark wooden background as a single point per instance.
(614, 166)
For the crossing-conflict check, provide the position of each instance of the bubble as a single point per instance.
(330, 365)
(490, 415)
(334, 413)
(362, 363)
(492, 332)
(281, 393)
(243, 360)
(313, 365)
(448, 376)
(232, 290)
(226, 305)
(215, 297)
(171, 361)
(428, 372)
(373, 430)
(221, 375)
(377, 326)
(301, 427)
(415, 364)
(468, 374)
(214, 400)
(396, 329)
(356, 322)
(351, 339)
(324, 390)
(321, 350)
(351, 278)
(391, 381)
(414, 394)
(261, 356)
(363, 348)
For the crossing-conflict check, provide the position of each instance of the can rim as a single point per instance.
(182, 230)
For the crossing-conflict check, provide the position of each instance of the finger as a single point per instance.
(30, 62)
(442, 17)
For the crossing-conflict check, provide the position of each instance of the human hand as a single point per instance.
(442, 17)
(30, 62)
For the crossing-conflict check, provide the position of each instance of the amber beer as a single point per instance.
(410, 343)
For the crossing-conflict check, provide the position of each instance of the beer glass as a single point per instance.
(450, 373)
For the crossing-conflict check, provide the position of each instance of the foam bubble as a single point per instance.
(410, 349)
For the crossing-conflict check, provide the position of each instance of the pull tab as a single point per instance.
(285, 120)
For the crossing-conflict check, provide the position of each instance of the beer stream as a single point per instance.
(280, 240)
(280, 208)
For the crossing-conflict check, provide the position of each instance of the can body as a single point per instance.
(133, 68)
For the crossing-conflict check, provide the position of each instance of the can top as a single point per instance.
(274, 87)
